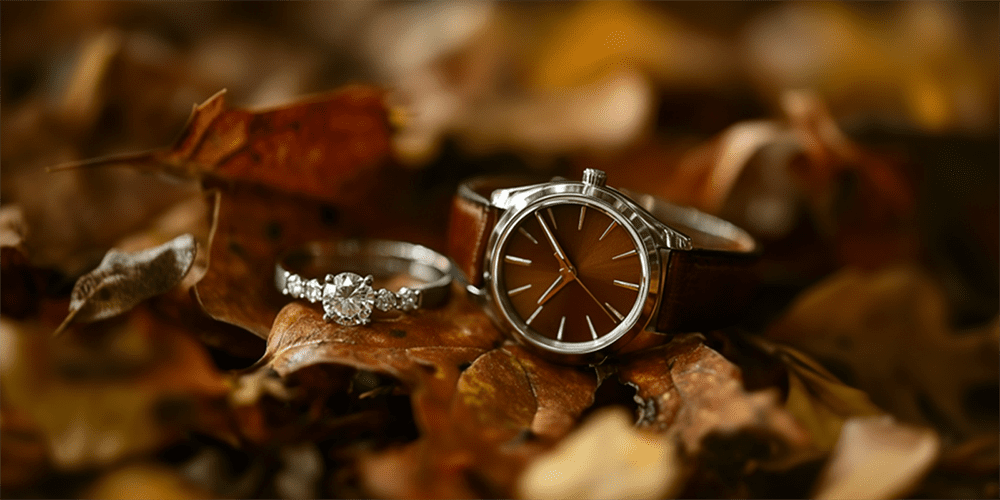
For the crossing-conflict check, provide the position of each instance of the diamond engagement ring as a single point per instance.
(348, 298)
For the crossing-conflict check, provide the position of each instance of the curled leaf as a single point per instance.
(887, 333)
(607, 457)
(148, 385)
(694, 394)
(876, 457)
(323, 147)
(126, 279)
(816, 398)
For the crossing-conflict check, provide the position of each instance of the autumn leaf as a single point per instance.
(142, 386)
(23, 283)
(815, 397)
(592, 461)
(928, 381)
(876, 457)
(482, 408)
(687, 388)
(126, 279)
(327, 147)
(252, 227)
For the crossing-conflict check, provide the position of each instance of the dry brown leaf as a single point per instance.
(886, 332)
(481, 409)
(23, 455)
(252, 227)
(688, 389)
(816, 398)
(605, 458)
(326, 147)
(126, 279)
(876, 457)
(143, 480)
(121, 387)
(23, 283)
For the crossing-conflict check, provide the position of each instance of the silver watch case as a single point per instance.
(650, 236)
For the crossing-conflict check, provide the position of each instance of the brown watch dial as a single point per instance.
(570, 272)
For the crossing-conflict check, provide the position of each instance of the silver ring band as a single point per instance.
(348, 297)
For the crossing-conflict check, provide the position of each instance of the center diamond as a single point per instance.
(348, 299)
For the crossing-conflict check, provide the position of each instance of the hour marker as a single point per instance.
(562, 323)
(553, 217)
(533, 315)
(626, 284)
(610, 227)
(593, 332)
(626, 254)
(518, 290)
(620, 317)
(527, 235)
(583, 212)
(519, 261)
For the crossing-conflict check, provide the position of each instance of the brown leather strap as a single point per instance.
(704, 288)
(472, 220)
(468, 231)
(710, 285)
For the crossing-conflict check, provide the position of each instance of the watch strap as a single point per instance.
(472, 220)
(468, 232)
(705, 289)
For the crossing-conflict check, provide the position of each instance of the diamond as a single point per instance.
(314, 291)
(385, 300)
(348, 299)
(408, 299)
(293, 285)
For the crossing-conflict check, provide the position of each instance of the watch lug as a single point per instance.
(675, 240)
(669, 237)
(508, 198)
(475, 291)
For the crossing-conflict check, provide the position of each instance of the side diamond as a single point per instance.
(385, 300)
(408, 299)
(314, 291)
(293, 285)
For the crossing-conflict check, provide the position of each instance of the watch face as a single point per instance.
(571, 273)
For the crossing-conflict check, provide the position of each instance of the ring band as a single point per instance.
(347, 297)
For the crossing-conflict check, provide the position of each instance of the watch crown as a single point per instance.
(594, 177)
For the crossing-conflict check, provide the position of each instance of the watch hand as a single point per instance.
(603, 308)
(556, 285)
(560, 255)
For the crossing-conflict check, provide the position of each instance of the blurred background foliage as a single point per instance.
(858, 141)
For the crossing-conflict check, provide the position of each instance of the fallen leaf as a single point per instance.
(481, 408)
(252, 227)
(143, 480)
(23, 455)
(876, 457)
(688, 389)
(606, 457)
(816, 398)
(693, 394)
(964, 470)
(886, 332)
(126, 279)
(23, 283)
(327, 147)
(301, 471)
(120, 387)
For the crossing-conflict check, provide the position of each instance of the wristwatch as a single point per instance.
(579, 271)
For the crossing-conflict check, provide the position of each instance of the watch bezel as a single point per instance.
(620, 208)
